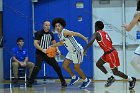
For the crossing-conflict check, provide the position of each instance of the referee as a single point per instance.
(42, 41)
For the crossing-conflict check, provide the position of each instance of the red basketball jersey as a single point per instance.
(106, 42)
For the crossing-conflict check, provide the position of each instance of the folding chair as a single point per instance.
(21, 72)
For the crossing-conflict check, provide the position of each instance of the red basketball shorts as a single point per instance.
(111, 58)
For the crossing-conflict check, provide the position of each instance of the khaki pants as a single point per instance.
(15, 66)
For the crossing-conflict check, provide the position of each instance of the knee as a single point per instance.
(37, 68)
(15, 64)
(115, 72)
(64, 66)
(98, 64)
(32, 65)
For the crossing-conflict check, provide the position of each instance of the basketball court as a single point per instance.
(54, 87)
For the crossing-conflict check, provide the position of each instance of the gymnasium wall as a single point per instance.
(17, 21)
(114, 14)
(1, 5)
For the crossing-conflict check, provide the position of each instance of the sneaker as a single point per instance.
(73, 81)
(110, 81)
(85, 84)
(29, 83)
(132, 83)
(63, 84)
(132, 91)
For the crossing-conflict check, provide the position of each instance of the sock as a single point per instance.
(86, 80)
(129, 78)
(73, 77)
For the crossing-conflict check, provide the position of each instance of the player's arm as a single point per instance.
(54, 42)
(94, 36)
(71, 33)
(58, 44)
(132, 23)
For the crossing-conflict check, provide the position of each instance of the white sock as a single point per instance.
(86, 80)
(129, 78)
(73, 77)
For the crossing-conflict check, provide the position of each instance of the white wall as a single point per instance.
(1, 64)
(1, 53)
(112, 16)
(1, 5)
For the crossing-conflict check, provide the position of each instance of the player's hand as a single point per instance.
(58, 52)
(125, 26)
(84, 53)
(86, 39)
(44, 51)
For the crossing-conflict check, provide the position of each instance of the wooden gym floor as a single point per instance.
(54, 87)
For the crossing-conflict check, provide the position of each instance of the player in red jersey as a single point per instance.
(110, 56)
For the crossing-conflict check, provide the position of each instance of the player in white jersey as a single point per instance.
(135, 21)
(75, 51)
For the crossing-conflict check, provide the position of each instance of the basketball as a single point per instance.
(51, 51)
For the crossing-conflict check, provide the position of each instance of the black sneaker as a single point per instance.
(110, 81)
(63, 84)
(132, 91)
(132, 83)
(29, 83)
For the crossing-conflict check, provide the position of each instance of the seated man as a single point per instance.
(20, 59)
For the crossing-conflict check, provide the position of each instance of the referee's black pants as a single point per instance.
(51, 61)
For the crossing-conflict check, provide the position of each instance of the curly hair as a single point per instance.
(59, 20)
(138, 5)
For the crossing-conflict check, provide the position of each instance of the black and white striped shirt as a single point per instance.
(44, 38)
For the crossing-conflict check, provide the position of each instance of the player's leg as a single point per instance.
(135, 62)
(86, 81)
(52, 62)
(77, 60)
(113, 60)
(114, 63)
(66, 66)
(132, 80)
(100, 64)
(39, 59)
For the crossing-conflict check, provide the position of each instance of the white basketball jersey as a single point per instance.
(69, 42)
(138, 23)
(137, 51)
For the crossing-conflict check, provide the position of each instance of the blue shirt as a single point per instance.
(20, 54)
